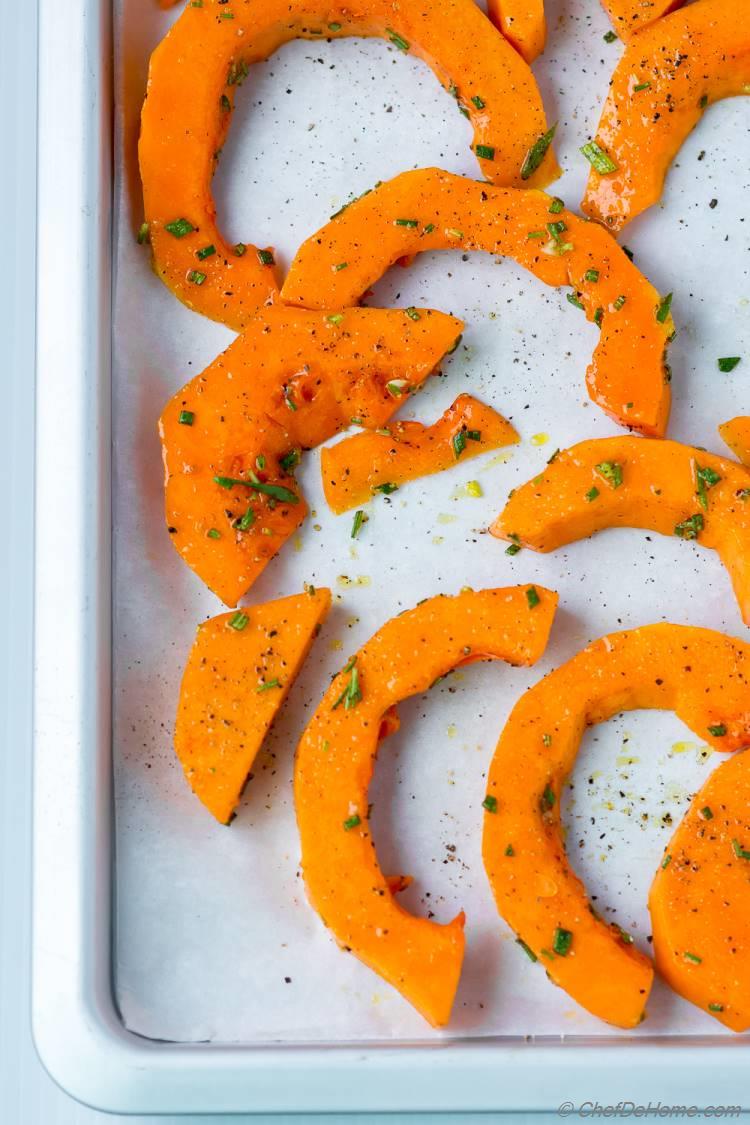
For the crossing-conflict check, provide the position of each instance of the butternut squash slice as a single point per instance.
(701, 675)
(666, 77)
(233, 435)
(237, 677)
(359, 466)
(700, 899)
(434, 210)
(335, 760)
(736, 435)
(523, 24)
(625, 482)
(193, 79)
(630, 16)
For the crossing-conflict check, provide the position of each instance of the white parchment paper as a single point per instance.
(215, 939)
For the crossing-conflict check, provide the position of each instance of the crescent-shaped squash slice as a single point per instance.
(434, 210)
(237, 676)
(233, 435)
(664, 486)
(701, 675)
(736, 435)
(523, 24)
(193, 79)
(630, 16)
(700, 899)
(359, 466)
(666, 77)
(335, 760)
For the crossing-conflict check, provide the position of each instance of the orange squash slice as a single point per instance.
(701, 675)
(700, 899)
(630, 16)
(434, 210)
(626, 482)
(358, 466)
(239, 672)
(335, 760)
(523, 24)
(666, 77)
(233, 435)
(193, 79)
(736, 435)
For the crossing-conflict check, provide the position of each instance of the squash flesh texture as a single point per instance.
(736, 435)
(699, 674)
(700, 901)
(701, 51)
(631, 16)
(658, 492)
(240, 406)
(224, 713)
(523, 24)
(353, 468)
(335, 760)
(626, 377)
(184, 119)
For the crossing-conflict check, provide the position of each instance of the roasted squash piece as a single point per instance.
(700, 899)
(736, 435)
(666, 77)
(358, 466)
(630, 16)
(434, 210)
(335, 760)
(193, 78)
(701, 675)
(237, 676)
(523, 24)
(233, 435)
(626, 482)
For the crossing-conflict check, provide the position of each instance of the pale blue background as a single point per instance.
(27, 1094)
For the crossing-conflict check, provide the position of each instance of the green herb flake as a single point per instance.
(662, 311)
(334, 27)
(641, 86)
(666, 862)
(556, 206)
(599, 317)
(611, 471)
(513, 549)
(599, 160)
(335, 318)
(186, 417)
(143, 234)
(179, 227)
(225, 103)
(728, 362)
(290, 460)
(238, 621)
(386, 488)
(706, 478)
(360, 518)
(609, 36)
(352, 822)
(490, 803)
(352, 693)
(532, 597)
(547, 739)
(716, 1007)
(485, 152)
(537, 153)
(591, 275)
(474, 488)
(244, 523)
(693, 958)
(267, 685)
(478, 102)
(196, 277)
(562, 942)
(406, 222)
(509, 851)
(536, 234)
(527, 950)
(707, 812)
(548, 798)
(703, 101)
(690, 528)
(718, 730)
(592, 493)
(213, 533)
(240, 249)
(459, 443)
(205, 252)
(619, 302)
(265, 257)
(397, 40)
(412, 313)
(573, 300)
(739, 851)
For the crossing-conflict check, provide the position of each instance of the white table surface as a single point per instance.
(27, 1095)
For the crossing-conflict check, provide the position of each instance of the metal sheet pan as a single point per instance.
(146, 917)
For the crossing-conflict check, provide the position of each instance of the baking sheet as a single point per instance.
(214, 938)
